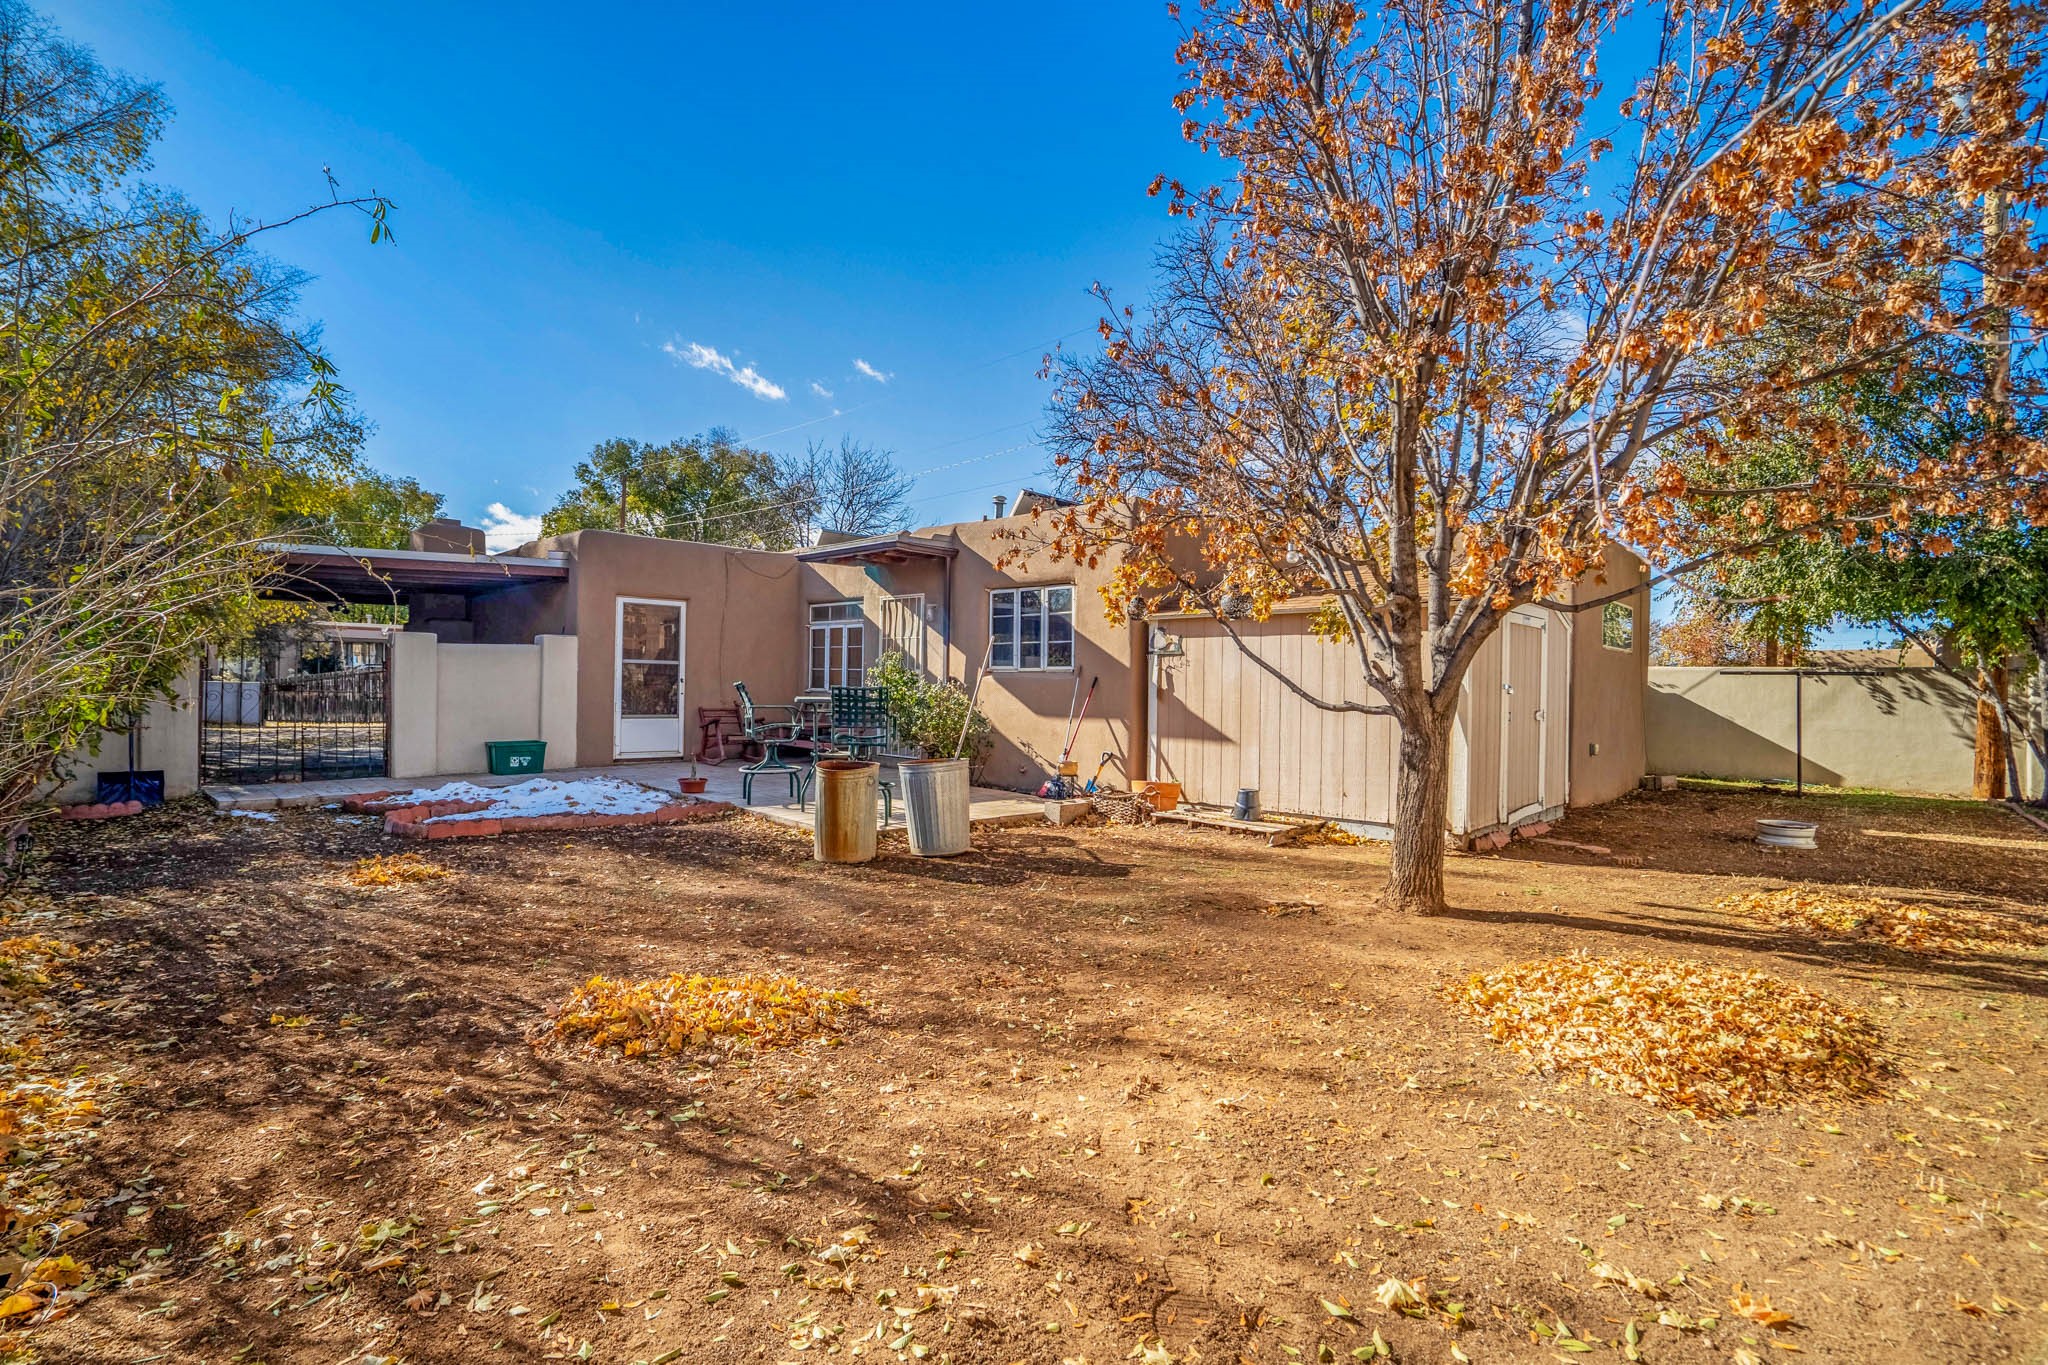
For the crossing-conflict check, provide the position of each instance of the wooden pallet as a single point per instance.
(1275, 832)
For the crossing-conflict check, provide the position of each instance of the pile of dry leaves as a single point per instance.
(681, 1012)
(397, 869)
(1677, 1033)
(1901, 924)
(48, 1108)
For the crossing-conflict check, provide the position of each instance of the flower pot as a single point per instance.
(692, 786)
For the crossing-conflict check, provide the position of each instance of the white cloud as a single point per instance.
(698, 356)
(820, 390)
(505, 529)
(871, 372)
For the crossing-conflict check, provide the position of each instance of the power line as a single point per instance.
(701, 521)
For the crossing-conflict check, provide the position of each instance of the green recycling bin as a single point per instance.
(512, 757)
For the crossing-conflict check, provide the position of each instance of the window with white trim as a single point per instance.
(838, 645)
(1032, 628)
(1618, 626)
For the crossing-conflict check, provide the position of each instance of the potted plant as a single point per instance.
(693, 785)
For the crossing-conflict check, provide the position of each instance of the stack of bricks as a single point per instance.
(1496, 839)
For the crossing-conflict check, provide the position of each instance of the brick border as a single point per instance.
(99, 810)
(423, 822)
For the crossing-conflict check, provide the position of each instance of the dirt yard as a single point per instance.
(1158, 1095)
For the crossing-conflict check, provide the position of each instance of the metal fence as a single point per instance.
(293, 728)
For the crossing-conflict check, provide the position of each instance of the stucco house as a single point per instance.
(606, 644)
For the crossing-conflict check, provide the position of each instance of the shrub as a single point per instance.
(927, 715)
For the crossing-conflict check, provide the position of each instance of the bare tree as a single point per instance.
(855, 488)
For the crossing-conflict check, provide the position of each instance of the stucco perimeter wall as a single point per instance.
(742, 623)
(448, 700)
(1608, 751)
(1897, 729)
(167, 739)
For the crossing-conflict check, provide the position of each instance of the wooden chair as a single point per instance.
(717, 727)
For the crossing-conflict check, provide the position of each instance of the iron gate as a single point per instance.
(267, 717)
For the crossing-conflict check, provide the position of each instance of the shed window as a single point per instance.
(1032, 628)
(1618, 625)
(838, 645)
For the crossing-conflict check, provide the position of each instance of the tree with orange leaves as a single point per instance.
(1420, 352)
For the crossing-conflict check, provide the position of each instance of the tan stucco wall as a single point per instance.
(167, 739)
(1897, 729)
(742, 623)
(414, 703)
(447, 700)
(1608, 687)
(1028, 711)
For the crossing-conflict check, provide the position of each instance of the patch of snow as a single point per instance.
(543, 796)
(254, 814)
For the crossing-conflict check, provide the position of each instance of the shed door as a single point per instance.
(1522, 718)
(648, 684)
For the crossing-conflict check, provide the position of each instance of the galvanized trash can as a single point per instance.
(843, 827)
(935, 806)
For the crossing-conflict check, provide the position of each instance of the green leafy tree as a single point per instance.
(368, 509)
(707, 487)
(155, 393)
(1967, 583)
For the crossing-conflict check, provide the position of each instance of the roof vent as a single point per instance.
(1001, 502)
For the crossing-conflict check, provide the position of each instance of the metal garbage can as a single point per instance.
(844, 825)
(935, 806)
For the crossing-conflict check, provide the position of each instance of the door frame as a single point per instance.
(619, 673)
(1528, 618)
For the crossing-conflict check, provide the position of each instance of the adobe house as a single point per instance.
(606, 644)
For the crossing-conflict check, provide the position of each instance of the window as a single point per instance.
(1618, 625)
(838, 645)
(1031, 628)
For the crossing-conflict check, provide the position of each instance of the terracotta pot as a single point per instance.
(692, 785)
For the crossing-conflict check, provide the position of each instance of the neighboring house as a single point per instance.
(606, 645)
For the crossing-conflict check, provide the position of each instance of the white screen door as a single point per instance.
(648, 684)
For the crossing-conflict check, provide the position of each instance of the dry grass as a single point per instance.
(679, 1013)
(1679, 1034)
(1917, 928)
(396, 869)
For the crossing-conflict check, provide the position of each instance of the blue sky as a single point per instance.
(646, 220)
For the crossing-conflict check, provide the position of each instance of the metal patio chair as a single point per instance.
(773, 736)
(860, 721)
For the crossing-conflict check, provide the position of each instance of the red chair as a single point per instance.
(719, 734)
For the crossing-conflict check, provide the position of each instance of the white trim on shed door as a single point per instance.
(1524, 711)
(657, 641)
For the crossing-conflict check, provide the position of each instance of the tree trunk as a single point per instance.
(1987, 778)
(1421, 798)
